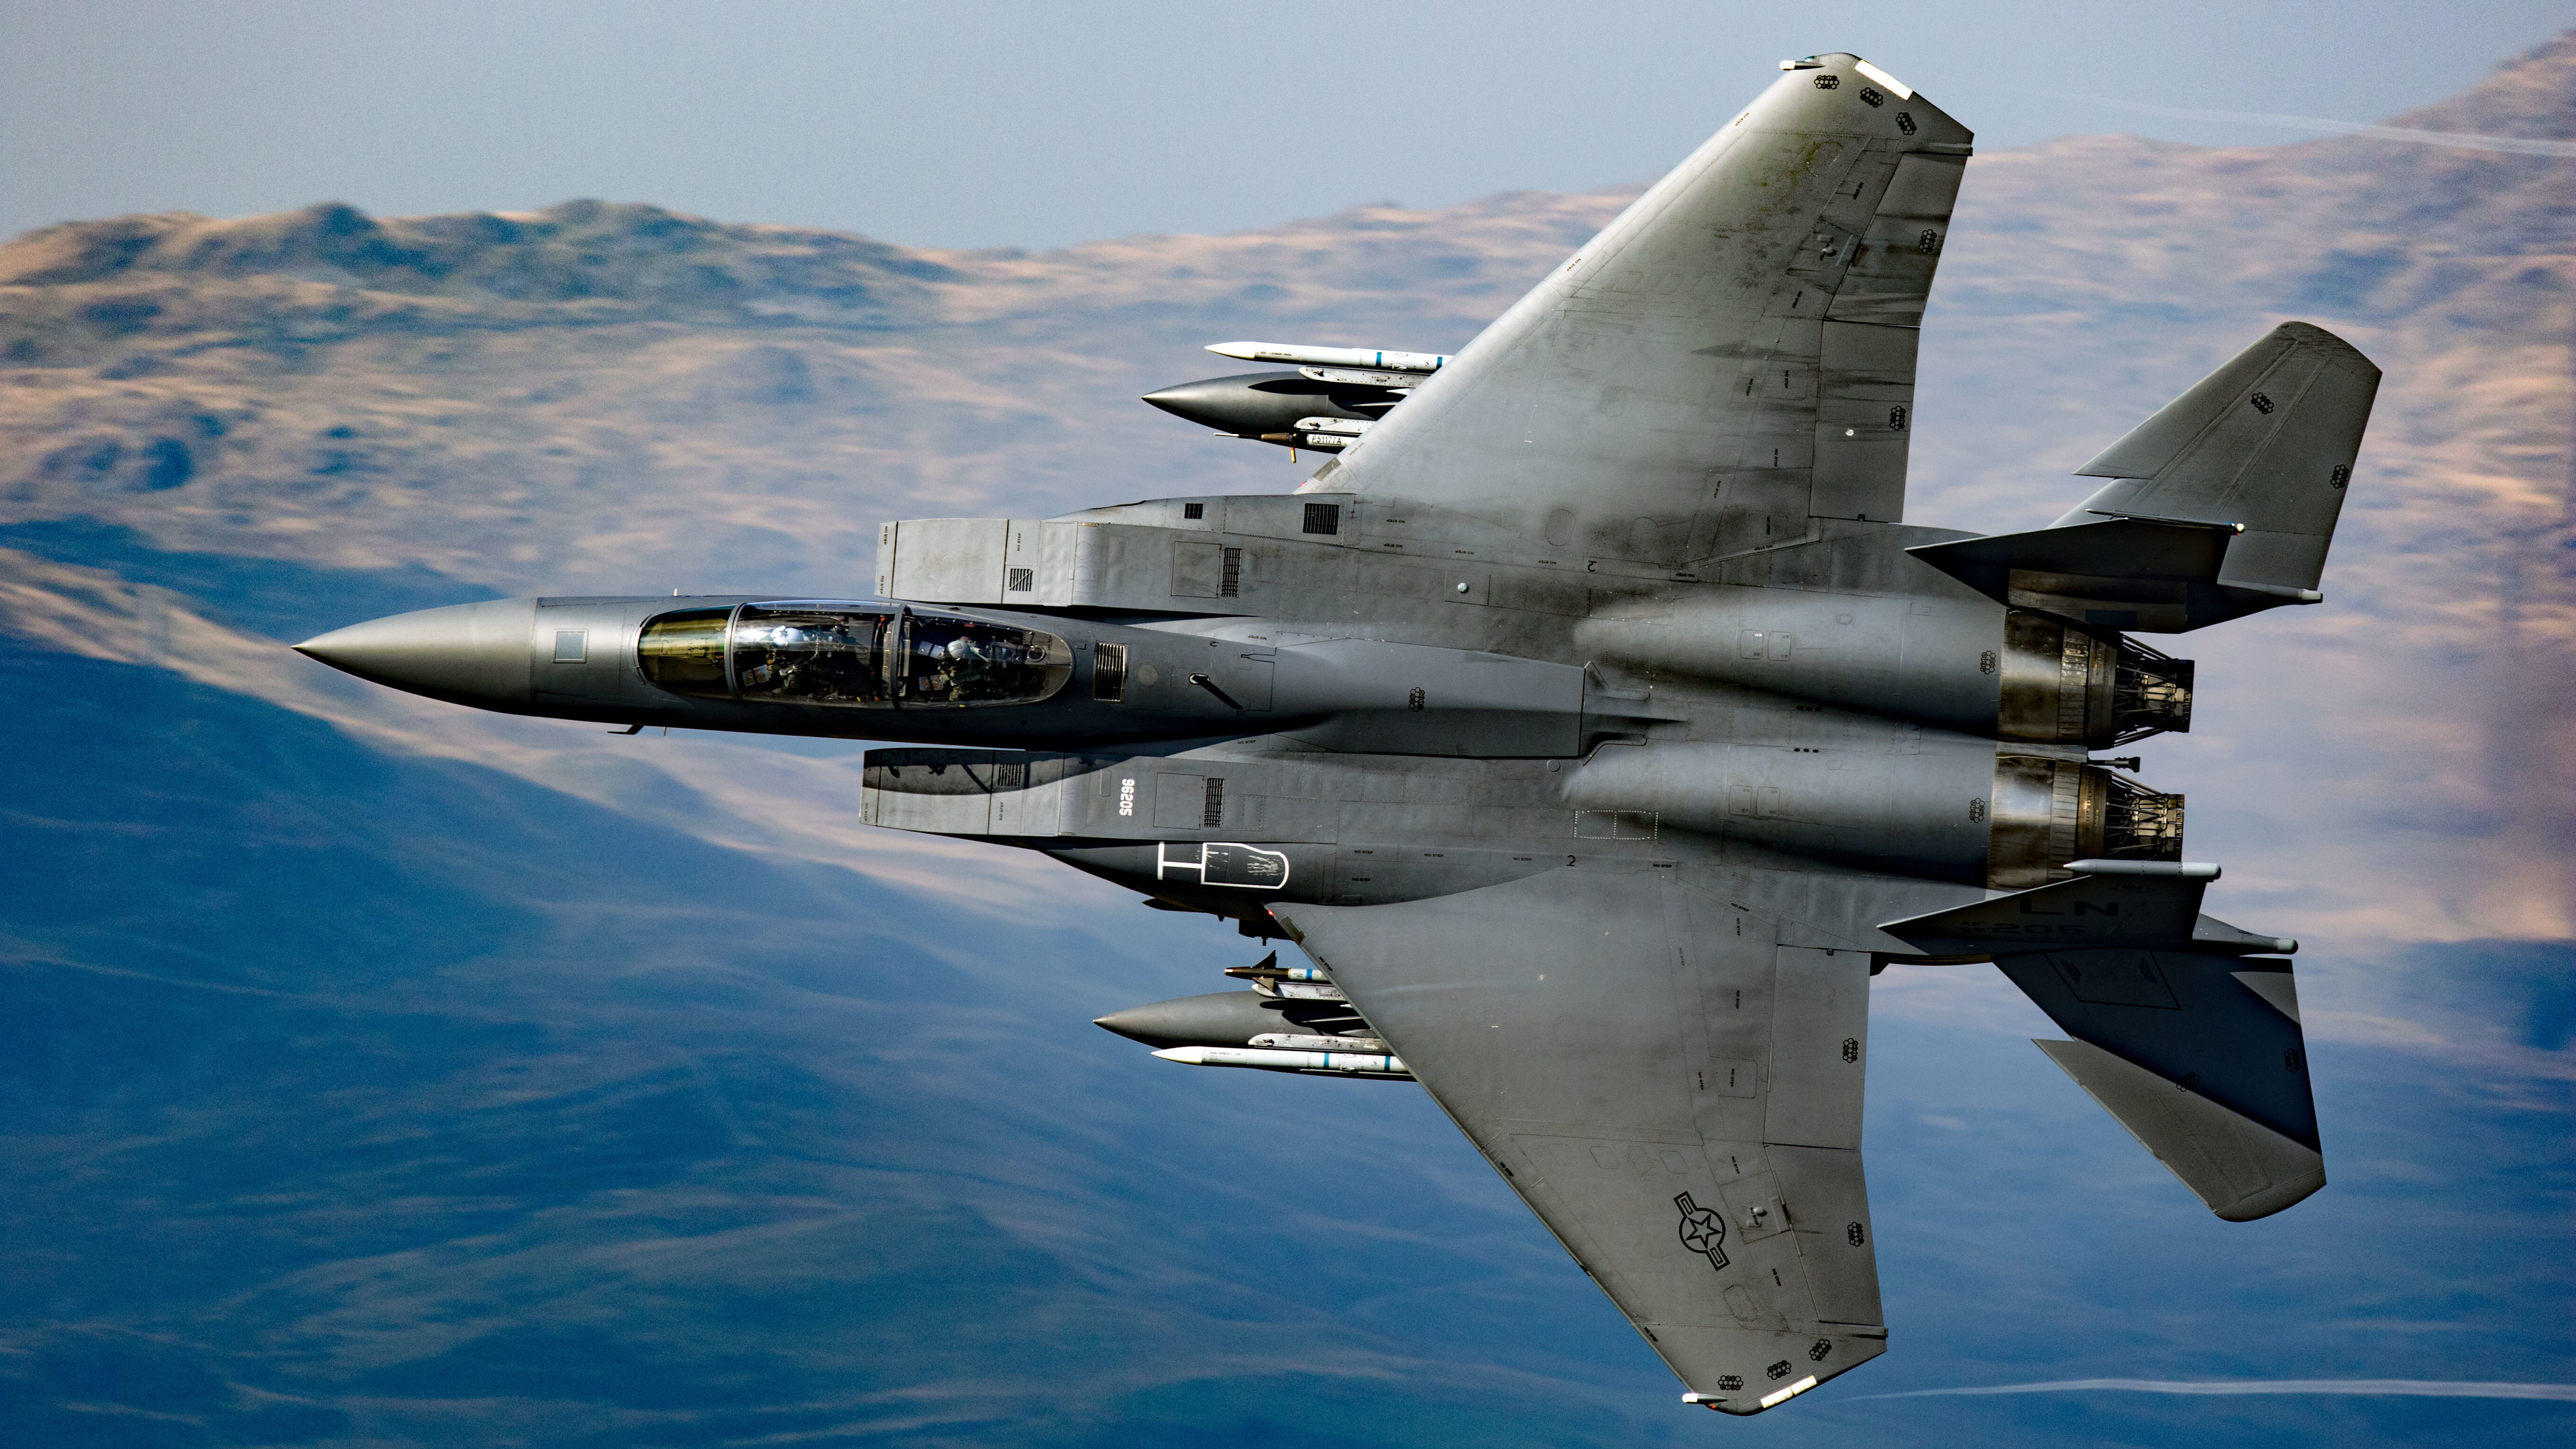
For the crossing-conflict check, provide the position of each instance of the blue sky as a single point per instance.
(1017, 124)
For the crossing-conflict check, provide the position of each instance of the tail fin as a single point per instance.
(2265, 443)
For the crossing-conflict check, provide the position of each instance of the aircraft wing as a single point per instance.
(1676, 1095)
(1730, 359)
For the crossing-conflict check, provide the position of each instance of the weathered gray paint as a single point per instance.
(2267, 442)
(2240, 1169)
(1721, 364)
(1593, 720)
(1613, 1039)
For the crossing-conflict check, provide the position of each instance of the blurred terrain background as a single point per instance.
(380, 1073)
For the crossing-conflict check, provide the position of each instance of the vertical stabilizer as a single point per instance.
(2265, 443)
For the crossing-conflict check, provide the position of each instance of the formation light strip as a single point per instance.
(1782, 1396)
(1903, 91)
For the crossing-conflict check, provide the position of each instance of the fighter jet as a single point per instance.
(1597, 727)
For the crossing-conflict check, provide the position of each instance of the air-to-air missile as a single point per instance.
(1325, 404)
(1336, 1062)
(1361, 364)
(1597, 727)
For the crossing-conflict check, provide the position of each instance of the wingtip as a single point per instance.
(2279, 1197)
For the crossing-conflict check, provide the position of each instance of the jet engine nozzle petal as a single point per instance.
(477, 654)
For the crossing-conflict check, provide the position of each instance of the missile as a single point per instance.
(1293, 352)
(1269, 969)
(1290, 1042)
(1362, 1063)
(1299, 990)
(1345, 427)
(1395, 382)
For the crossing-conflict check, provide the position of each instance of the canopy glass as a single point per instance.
(850, 655)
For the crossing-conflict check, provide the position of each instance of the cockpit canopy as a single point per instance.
(850, 654)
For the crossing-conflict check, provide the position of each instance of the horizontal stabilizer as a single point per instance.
(2240, 1168)
(2157, 576)
(2187, 1017)
(2141, 905)
(2266, 443)
(2182, 1033)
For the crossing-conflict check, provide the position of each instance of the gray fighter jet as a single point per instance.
(1597, 726)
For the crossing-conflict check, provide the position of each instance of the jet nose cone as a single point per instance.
(477, 654)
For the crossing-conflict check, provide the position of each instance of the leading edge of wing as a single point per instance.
(1673, 1093)
(1712, 338)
